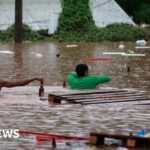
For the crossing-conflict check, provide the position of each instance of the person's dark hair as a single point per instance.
(81, 69)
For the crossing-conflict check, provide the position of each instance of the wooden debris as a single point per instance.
(126, 140)
(100, 97)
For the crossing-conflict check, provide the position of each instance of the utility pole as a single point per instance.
(18, 21)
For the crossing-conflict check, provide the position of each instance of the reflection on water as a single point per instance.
(40, 59)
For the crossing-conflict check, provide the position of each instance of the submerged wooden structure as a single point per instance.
(125, 140)
(103, 97)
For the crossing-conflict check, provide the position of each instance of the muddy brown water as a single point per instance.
(20, 108)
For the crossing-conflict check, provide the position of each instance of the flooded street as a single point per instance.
(20, 108)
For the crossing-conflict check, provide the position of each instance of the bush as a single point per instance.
(66, 36)
(112, 32)
(124, 32)
(28, 34)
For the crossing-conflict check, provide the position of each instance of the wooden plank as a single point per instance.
(112, 98)
(126, 103)
(115, 101)
(94, 95)
(127, 140)
(87, 96)
(85, 92)
(108, 99)
(56, 98)
(131, 143)
(110, 135)
(99, 96)
(52, 99)
(97, 93)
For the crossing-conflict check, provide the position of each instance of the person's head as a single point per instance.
(81, 70)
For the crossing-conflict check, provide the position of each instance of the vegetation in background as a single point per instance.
(124, 32)
(138, 9)
(112, 32)
(28, 34)
(75, 16)
(76, 24)
(142, 15)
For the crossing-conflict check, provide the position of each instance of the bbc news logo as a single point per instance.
(9, 133)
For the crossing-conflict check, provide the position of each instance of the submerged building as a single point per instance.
(44, 14)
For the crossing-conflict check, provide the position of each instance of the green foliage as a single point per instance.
(76, 16)
(28, 34)
(124, 32)
(66, 36)
(139, 9)
(112, 32)
(6, 36)
(142, 15)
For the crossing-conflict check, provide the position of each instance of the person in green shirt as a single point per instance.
(82, 80)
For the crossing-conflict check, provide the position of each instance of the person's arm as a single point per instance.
(102, 79)
(9, 84)
(68, 78)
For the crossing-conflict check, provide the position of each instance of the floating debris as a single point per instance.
(141, 132)
(57, 55)
(92, 148)
(97, 58)
(6, 52)
(68, 46)
(121, 46)
(131, 141)
(129, 51)
(141, 42)
(113, 53)
(128, 69)
(121, 148)
(142, 47)
(53, 143)
(133, 54)
(147, 135)
(143, 25)
(38, 55)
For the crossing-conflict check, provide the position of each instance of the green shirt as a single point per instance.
(87, 82)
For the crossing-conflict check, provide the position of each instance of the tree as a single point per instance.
(136, 8)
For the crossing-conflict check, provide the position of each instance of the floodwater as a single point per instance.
(20, 108)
